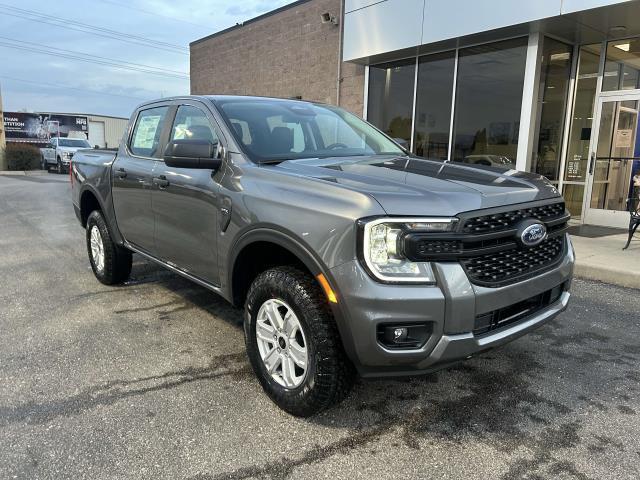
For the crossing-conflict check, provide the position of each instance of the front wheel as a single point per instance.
(293, 343)
(111, 264)
(59, 168)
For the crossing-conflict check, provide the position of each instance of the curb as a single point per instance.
(608, 275)
(23, 172)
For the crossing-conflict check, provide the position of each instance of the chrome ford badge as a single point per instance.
(533, 234)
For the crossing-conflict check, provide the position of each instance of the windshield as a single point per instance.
(73, 142)
(276, 130)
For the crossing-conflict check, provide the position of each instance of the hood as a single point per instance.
(416, 186)
(70, 149)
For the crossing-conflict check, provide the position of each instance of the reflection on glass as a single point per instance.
(488, 102)
(433, 107)
(622, 66)
(390, 106)
(573, 195)
(613, 172)
(577, 161)
(554, 84)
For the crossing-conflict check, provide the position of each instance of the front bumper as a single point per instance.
(450, 309)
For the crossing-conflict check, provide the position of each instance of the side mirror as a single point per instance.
(192, 154)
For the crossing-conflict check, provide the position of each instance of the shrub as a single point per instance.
(22, 156)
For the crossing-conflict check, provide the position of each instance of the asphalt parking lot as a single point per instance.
(150, 380)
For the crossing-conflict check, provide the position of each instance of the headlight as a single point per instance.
(67, 154)
(382, 248)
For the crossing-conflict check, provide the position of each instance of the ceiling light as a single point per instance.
(624, 46)
(618, 29)
(560, 56)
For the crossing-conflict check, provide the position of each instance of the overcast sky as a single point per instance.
(40, 65)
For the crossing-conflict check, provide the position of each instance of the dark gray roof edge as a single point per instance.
(252, 20)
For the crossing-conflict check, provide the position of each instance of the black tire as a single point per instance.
(116, 264)
(329, 375)
(59, 168)
(44, 164)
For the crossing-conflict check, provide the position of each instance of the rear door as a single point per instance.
(132, 174)
(186, 201)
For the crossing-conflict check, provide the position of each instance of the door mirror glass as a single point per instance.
(192, 153)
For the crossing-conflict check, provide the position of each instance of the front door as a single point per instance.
(185, 203)
(614, 161)
(132, 178)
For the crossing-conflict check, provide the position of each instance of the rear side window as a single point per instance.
(145, 140)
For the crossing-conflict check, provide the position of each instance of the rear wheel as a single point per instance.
(111, 264)
(293, 342)
(43, 163)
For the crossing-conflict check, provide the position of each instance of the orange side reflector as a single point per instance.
(331, 296)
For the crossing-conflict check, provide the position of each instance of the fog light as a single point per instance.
(403, 336)
(400, 334)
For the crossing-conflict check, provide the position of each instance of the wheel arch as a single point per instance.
(283, 246)
(89, 201)
(89, 198)
(237, 287)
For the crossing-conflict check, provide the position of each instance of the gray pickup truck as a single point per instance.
(349, 255)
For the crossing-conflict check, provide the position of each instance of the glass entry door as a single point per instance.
(614, 165)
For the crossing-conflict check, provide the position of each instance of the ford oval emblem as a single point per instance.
(533, 235)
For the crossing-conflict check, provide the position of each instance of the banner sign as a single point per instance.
(40, 127)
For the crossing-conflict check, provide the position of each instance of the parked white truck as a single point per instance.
(59, 151)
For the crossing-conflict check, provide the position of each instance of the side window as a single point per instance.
(192, 123)
(146, 132)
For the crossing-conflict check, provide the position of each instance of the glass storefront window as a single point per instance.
(577, 161)
(390, 103)
(554, 86)
(433, 105)
(615, 155)
(622, 66)
(488, 102)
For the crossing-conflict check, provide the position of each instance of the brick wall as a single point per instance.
(287, 54)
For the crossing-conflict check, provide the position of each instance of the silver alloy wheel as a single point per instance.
(282, 344)
(97, 249)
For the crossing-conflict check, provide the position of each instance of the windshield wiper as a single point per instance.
(273, 161)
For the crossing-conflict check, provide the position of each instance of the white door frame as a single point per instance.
(594, 216)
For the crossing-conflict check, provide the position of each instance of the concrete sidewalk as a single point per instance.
(603, 259)
(23, 172)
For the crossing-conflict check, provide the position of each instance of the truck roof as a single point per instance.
(222, 97)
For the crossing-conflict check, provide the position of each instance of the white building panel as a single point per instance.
(373, 28)
(444, 19)
(351, 5)
(383, 27)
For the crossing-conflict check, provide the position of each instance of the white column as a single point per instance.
(528, 114)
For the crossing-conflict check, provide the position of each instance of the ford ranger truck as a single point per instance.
(348, 254)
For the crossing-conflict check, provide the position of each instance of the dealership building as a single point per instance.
(546, 86)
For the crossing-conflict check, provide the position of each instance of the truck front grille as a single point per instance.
(498, 221)
(514, 264)
(487, 246)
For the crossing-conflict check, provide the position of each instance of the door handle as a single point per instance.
(122, 173)
(592, 162)
(161, 181)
